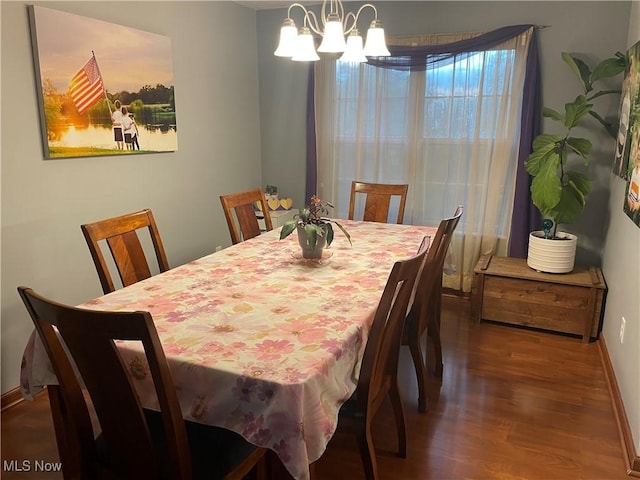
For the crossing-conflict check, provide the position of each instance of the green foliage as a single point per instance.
(61, 152)
(315, 223)
(147, 94)
(556, 190)
(52, 108)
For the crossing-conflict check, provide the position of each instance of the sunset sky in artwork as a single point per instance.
(128, 58)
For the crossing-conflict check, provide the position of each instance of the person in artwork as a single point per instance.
(116, 118)
(127, 123)
(134, 133)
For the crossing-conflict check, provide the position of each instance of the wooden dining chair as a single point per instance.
(133, 443)
(121, 235)
(378, 200)
(424, 312)
(239, 210)
(379, 371)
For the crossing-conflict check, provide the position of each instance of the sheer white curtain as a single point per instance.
(451, 132)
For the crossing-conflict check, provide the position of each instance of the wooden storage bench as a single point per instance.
(507, 290)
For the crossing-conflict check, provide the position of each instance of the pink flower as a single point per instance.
(162, 304)
(333, 346)
(344, 290)
(262, 436)
(244, 388)
(173, 349)
(283, 451)
(273, 349)
(176, 317)
(303, 331)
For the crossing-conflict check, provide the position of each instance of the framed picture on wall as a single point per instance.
(627, 164)
(103, 88)
(632, 191)
(623, 140)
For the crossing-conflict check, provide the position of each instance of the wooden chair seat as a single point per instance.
(378, 200)
(424, 313)
(239, 211)
(122, 239)
(133, 443)
(379, 371)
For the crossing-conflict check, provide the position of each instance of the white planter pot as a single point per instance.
(552, 256)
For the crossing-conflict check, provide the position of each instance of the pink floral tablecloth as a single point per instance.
(260, 341)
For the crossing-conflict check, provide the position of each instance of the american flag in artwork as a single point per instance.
(86, 86)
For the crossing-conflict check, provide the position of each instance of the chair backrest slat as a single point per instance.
(121, 236)
(378, 200)
(245, 224)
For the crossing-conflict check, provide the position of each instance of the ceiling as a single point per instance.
(269, 4)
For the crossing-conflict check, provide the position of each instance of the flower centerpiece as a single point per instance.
(315, 229)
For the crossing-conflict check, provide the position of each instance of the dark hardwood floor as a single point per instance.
(513, 404)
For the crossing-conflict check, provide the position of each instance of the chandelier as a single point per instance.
(300, 47)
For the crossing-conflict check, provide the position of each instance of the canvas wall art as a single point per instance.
(627, 155)
(103, 88)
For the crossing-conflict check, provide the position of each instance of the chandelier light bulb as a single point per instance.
(376, 46)
(333, 39)
(354, 52)
(305, 50)
(288, 39)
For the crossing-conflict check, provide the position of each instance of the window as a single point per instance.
(450, 131)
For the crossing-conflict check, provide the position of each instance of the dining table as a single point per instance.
(260, 340)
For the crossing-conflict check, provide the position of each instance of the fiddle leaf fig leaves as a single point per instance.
(558, 191)
(546, 187)
(575, 110)
(609, 67)
(543, 146)
(581, 146)
(580, 69)
(551, 113)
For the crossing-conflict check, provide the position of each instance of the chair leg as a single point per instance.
(433, 330)
(67, 441)
(398, 413)
(418, 363)
(367, 450)
(437, 345)
(259, 472)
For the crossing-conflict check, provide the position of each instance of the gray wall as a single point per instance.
(45, 201)
(621, 266)
(591, 30)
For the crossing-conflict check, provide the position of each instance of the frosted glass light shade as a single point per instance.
(305, 50)
(353, 53)
(376, 46)
(333, 39)
(288, 38)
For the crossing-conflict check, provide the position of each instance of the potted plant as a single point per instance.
(314, 229)
(558, 190)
